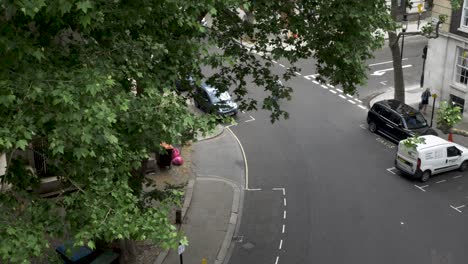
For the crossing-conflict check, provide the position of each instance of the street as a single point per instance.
(322, 189)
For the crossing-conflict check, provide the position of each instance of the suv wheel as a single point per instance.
(372, 127)
(425, 176)
(464, 166)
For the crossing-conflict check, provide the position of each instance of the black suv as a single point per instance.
(397, 120)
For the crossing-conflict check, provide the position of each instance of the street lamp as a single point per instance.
(404, 26)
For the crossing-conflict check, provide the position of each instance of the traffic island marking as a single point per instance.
(391, 170)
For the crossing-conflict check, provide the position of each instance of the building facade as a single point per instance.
(447, 56)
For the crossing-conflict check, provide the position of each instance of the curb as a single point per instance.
(219, 132)
(223, 250)
(188, 199)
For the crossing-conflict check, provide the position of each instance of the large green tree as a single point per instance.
(93, 81)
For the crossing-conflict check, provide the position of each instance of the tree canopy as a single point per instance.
(94, 81)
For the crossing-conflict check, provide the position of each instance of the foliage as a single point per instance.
(413, 142)
(448, 115)
(94, 80)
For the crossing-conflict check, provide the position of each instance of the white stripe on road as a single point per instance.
(283, 229)
(277, 258)
(384, 62)
(281, 244)
(281, 65)
(421, 187)
(284, 201)
(342, 96)
(350, 96)
(363, 107)
(315, 82)
(390, 170)
(324, 86)
(351, 101)
(331, 91)
(297, 73)
(274, 61)
(441, 181)
(284, 214)
(457, 208)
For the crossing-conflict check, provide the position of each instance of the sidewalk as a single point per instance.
(413, 98)
(213, 201)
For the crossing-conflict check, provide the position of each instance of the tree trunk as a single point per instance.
(128, 253)
(460, 132)
(399, 83)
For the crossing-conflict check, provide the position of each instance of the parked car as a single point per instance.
(185, 84)
(397, 120)
(209, 99)
(434, 156)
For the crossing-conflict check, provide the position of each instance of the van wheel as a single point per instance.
(464, 166)
(372, 127)
(425, 176)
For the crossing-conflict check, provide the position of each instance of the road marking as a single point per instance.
(315, 82)
(390, 170)
(297, 73)
(277, 258)
(274, 61)
(245, 160)
(235, 124)
(401, 223)
(358, 100)
(350, 96)
(283, 229)
(331, 86)
(382, 72)
(281, 244)
(383, 82)
(342, 96)
(362, 107)
(340, 90)
(457, 208)
(284, 214)
(362, 126)
(351, 101)
(324, 86)
(421, 187)
(331, 91)
(243, 111)
(441, 181)
(281, 65)
(385, 62)
(284, 201)
(256, 189)
(455, 177)
(309, 77)
(280, 189)
(250, 120)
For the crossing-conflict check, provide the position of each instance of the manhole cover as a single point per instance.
(248, 246)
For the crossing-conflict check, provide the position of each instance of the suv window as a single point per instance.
(395, 118)
(452, 152)
(415, 121)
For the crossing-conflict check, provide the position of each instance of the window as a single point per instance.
(464, 19)
(452, 152)
(461, 74)
(395, 118)
(415, 121)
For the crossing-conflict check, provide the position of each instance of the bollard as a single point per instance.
(203, 261)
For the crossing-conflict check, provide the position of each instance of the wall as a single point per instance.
(443, 7)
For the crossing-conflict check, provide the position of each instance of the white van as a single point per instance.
(436, 155)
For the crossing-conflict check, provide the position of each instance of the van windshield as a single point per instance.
(415, 121)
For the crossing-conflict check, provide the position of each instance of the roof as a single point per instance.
(399, 107)
(432, 141)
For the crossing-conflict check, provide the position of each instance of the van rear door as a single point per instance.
(406, 159)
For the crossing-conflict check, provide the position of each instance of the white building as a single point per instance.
(447, 56)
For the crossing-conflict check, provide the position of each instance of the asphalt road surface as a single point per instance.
(322, 189)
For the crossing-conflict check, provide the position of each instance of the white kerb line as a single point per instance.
(283, 229)
(281, 244)
(324, 86)
(331, 91)
(281, 65)
(284, 201)
(362, 107)
(351, 101)
(284, 214)
(342, 96)
(298, 73)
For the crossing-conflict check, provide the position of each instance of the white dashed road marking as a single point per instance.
(315, 82)
(277, 258)
(284, 201)
(309, 77)
(342, 96)
(284, 214)
(351, 101)
(362, 107)
(274, 61)
(297, 73)
(281, 65)
(362, 126)
(331, 91)
(324, 86)
(283, 229)
(455, 177)
(441, 181)
(281, 244)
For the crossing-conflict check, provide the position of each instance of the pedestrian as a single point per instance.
(425, 99)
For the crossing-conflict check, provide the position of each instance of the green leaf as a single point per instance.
(91, 244)
(84, 6)
(21, 144)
